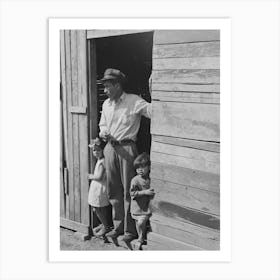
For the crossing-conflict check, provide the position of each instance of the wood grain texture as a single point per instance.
(70, 197)
(186, 97)
(186, 157)
(185, 36)
(93, 94)
(186, 176)
(75, 126)
(73, 225)
(61, 164)
(99, 33)
(206, 238)
(186, 120)
(186, 63)
(78, 109)
(66, 192)
(64, 93)
(187, 197)
(83, 125)
(186, 76)
(158, 242)
(201, 49)
(215, 88)
(201, 145)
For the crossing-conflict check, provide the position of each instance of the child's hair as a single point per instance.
(142, 159)
(97, 143)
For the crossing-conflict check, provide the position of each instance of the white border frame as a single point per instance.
(55, 254)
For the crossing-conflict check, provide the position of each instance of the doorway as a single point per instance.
(132, 54)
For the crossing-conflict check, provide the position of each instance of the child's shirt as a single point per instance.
(139, 203)
(98, 193)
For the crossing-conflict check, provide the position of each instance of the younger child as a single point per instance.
(98, 196)
(141, 194)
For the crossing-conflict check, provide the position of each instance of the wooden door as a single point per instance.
(74, 210)
(185, 130)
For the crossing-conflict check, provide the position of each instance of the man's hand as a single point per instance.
(105, 136)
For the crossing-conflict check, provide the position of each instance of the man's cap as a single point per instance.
(112, 74)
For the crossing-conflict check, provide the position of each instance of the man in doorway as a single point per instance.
(119, 125)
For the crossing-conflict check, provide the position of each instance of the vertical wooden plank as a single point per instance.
(93, 95)
(64, 92)
(63, 138)
(83, 124)
(62, 196)
(75, 128)
(70, 212)
(93, 108)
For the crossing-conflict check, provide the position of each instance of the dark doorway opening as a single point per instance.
(132, 54)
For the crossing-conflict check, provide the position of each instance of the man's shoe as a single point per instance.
(97, 229)
(102, 231)
(113, 234)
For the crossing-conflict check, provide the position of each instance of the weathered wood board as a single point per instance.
(83, 126)
(186, 176)
(186, 63)
(186, 76)
(70, 197)
(185, 127)
(186, 157)
(206, 238)
(187, 97)
(215, 88)
(186, 120)
(182, 197)
(75, 103)
(201, 49)
(99, 33)
(183, 142)
(185, 36)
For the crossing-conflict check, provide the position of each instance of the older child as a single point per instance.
(141, 194)
(98, 196)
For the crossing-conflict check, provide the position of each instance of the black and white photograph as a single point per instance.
(140, 139)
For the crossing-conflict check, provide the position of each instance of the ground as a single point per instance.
(70, 242)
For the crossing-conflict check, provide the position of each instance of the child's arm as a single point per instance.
(98, 174)
(135, 192)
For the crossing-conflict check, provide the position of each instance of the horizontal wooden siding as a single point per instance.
(185, 131)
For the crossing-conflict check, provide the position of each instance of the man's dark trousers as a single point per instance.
(120, 170)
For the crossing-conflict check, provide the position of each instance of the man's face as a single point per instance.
(111, 90)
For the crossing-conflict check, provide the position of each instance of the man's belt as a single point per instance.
(121, 142)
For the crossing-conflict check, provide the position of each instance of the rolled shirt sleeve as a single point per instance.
(103, 124)
(143, 107)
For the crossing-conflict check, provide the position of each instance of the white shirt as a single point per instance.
(122, 119)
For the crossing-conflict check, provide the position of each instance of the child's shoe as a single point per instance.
(138, 245)
(127, 239)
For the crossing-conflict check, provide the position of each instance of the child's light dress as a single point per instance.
(98, 194)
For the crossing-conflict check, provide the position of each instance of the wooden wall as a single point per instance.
(74, 209)
(185, 132)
